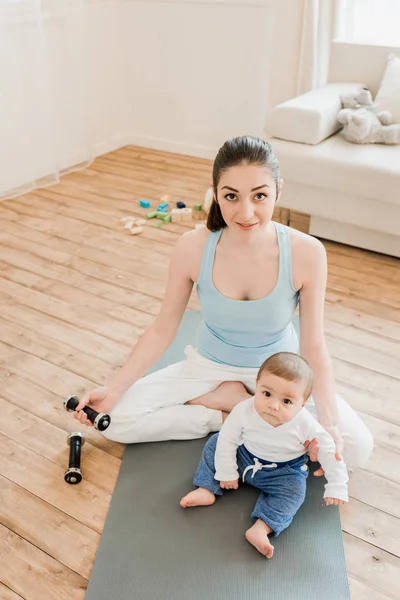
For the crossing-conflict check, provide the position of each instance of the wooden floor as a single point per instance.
(76, 293)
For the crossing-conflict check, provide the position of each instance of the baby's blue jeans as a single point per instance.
(282, 484)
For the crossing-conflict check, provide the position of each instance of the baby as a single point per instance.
(262, 442)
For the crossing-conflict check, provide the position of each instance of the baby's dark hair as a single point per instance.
(289, 366)
(242, 150)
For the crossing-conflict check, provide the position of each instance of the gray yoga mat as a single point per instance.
(152, 549)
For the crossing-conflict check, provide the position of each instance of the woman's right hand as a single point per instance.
(100, 399)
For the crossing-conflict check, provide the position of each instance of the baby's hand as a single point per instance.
(334, 501)
(229, 485)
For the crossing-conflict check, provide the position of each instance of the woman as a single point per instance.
(251, 274)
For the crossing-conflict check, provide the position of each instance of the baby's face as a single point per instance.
(276, 400)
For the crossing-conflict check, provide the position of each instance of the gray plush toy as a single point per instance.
(363, 124)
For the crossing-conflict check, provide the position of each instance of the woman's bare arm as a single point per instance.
(312, 339)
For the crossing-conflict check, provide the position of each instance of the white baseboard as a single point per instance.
(355, 236)
(110, 145)
(176, 147)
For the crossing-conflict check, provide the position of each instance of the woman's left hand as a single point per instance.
(313, 447)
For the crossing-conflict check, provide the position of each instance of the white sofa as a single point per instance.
(352, 192)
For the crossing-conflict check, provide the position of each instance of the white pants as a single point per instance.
(154, 408)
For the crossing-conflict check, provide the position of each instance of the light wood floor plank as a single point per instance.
(371, 340)
(360, 591)
(366, 379)
(354, 319)
(48, 406)
(69, 235)
(86, 317)
(374, 404)
(98, 467)
(119, 295)
(371, 525)
(384, 433)
(34, 343)
(7, 594)
(58, 535)
(34, 574)
(106, 350)
(376, 491)
(368, 306)
(371, 359)
(43, 478)
(46, 374)
(375, 567)
(65, 293)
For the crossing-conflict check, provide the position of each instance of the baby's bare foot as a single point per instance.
(258, 537)
(199, 497)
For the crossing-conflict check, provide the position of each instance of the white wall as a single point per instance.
(286, 49)
(199, 71)
(87, 76)
(62, 79)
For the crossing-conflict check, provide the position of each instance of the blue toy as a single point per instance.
(180, 205)
(145, 203)
(163, 207)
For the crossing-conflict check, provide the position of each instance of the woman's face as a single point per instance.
(246, 195)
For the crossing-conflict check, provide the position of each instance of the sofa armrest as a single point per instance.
(311, 117)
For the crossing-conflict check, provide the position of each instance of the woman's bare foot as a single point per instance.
(199, 497)
(224, 398)
(257, 536)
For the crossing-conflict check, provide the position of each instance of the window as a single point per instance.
(375, 22)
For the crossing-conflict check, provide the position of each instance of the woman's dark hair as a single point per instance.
(245, 150)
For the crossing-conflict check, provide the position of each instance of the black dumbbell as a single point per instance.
(75, 442)
(100, 420)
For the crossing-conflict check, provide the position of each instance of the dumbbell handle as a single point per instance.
(75, 453)
(73, 474)
(100, 420)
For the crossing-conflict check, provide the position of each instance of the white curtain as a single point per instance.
(61, 89)
(318, 29)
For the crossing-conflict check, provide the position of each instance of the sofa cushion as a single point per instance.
(311, 117)
(388, 96)
(369, 171)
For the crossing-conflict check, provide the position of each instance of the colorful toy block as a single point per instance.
(151, 215)
(145, 203)
(129, 224)
(181, 214)
(197, 207)
(135, 230)
(133, 225)
(199, 215)
(181, 205)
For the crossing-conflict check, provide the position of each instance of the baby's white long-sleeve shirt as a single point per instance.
(277, 444)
